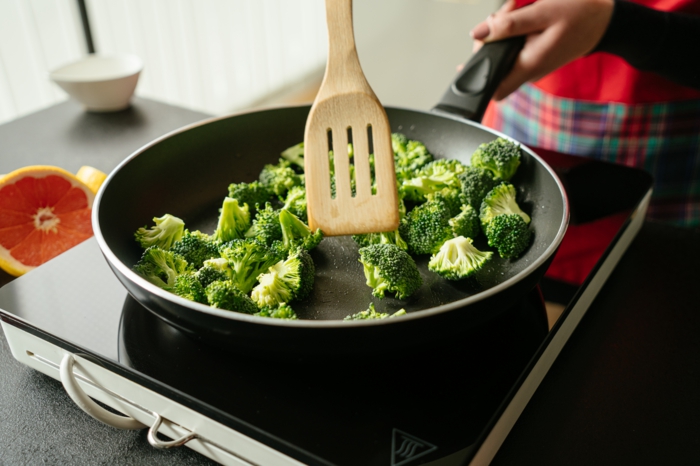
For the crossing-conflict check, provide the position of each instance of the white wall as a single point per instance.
(409, 49)
(220, 56)
(213, 55)
(35, 36)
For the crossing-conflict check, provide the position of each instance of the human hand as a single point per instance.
(557, 32)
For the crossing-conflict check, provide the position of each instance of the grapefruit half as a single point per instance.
(44, 211)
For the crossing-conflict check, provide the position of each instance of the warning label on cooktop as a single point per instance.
(406, 448)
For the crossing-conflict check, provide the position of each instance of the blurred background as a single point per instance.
(223, 56)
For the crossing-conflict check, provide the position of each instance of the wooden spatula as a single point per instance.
(346, 110)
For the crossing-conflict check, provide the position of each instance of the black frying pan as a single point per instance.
(186, 173)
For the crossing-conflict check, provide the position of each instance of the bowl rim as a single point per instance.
(132, 58)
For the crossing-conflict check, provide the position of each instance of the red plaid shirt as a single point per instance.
(601, 107)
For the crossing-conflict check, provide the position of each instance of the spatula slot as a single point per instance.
(351, 162)
(331, 171)
(370, 148)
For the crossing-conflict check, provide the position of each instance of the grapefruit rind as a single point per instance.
(92, 177)
(64, 204)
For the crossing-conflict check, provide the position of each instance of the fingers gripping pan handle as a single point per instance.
(469, 94)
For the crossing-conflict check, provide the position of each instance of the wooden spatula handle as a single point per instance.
(347, 110)
(343, 71)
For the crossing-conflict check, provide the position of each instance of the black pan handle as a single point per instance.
(472, 89)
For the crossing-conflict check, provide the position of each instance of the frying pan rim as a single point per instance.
(309, 323)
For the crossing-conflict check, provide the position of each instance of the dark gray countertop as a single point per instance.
(624, 390)
(39, 424)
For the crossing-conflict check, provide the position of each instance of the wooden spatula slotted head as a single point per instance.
(341, 198)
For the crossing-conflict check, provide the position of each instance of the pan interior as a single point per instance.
(187, 175)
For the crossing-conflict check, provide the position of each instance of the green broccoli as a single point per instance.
(457, 259)
(385, 237)
(371, 313)
(214, 270)
(266, 225)
(249, 258)
(426, 227)
(433, 177)
(297, 233)
(226, 295)
(501, 156)
(163, 234)
(295, 155)
(398, 142)
(288, 280)
(409, 155)
(283, 311)
(499, 201)
(475, 183)
(452, 197)
(196, 247)
(249, 193)
(189, 287)
(295, 202)
(161, 267)
(509, 234)
(388, 268)
(234, 221)
(466, 223)
(279, 178)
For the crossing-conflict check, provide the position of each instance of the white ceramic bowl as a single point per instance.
(100, 83)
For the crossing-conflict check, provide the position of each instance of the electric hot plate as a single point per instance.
(449, 402)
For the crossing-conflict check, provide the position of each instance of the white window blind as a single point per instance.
(35, 37)
(214, 55)
(220, 56)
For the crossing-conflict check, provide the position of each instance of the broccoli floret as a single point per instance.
(279, 178)
(432, 178)
(426, 227)
(466, 223)
(509, 234)
(297, 233)
(476, 182)
(288, 280)
(501, 156)
(398, 142)
(283, 311)
(214, 270)
(385, 237)
(161, 267)
(447, 169)
(234, 221)
(388, 268)
(499, 201)
(248, 259)
(371, 313)
(295, 155)
(196, 247)
(266, 226)
(226, 295)
(458, 258)
(409, 155)
(189, 287)
(249, 193)
(167, 230)
(295, 202)
(452, 197)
